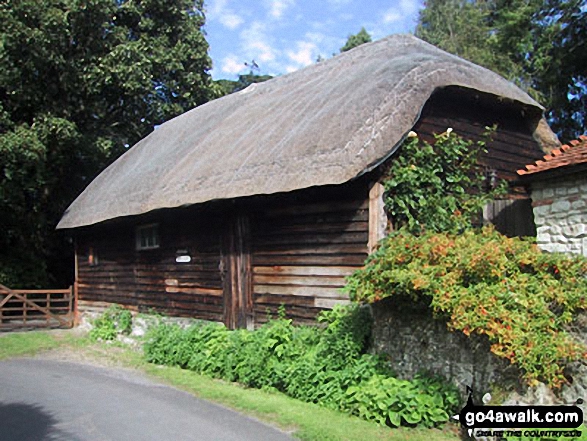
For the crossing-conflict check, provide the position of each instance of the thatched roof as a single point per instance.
(325, 124)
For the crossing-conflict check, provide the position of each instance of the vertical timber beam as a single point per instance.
(237, 285)
(244, 281)
(377, 216)
(74, 310)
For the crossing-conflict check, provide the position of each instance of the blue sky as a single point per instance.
(285, 35)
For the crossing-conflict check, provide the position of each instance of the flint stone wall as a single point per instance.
(416, 342)
(560, 214)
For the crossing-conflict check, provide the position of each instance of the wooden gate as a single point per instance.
(25, 308)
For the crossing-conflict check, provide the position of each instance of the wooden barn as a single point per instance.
(271, 195)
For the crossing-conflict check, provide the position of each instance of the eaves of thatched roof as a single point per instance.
(325, 124)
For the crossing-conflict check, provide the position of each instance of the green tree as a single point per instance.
(226, 87)
(538, 44)
(355, 40)
(79, 82)
(463, 28)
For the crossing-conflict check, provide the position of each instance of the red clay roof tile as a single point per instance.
(573, 153)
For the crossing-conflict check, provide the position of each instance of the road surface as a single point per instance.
(48, 400)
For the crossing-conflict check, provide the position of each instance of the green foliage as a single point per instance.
(314, 364)
(422, 401)
(226, 87)
(355, 40)
(79, 80)
(437, 187)
(115, 321)
(485, 283)
(538, 44)
(462, 28)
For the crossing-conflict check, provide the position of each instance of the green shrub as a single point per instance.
(438, 187)
(485, 283)
(113, 322)
(311, 363)
(422, 401)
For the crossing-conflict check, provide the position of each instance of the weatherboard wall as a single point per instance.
(468, 114)
(303, 250)
(111, 270)
(247, 258)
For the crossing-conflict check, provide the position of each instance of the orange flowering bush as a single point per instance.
(482, 282)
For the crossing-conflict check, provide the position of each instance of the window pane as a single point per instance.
(147, 237)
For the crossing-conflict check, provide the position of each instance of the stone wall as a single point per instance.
(560, 214)
(416, 342)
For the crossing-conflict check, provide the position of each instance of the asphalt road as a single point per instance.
(51, 400)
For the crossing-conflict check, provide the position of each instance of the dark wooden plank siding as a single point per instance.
(152, 279)
(302, 253)
(512, 145)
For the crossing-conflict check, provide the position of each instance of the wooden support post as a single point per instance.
(24, 310)
(75, 309)
(377, 216)
(72, 305)
(236, 269)
(48, 307)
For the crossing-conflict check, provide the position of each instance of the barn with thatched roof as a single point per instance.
(271, 195)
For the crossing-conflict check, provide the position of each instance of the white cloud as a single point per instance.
(305, 55)
(215, 7)
(231, 20)
(256, 43)
(392, 16)
(219, 11)
(409, 6)
(399, 12)
(316, 37)
(339, 2)
(278, 7)
(232, 65)
(265, 52)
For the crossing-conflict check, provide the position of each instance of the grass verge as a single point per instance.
(28, 343)
(305, 421)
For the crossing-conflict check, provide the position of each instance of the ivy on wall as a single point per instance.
(438, 186)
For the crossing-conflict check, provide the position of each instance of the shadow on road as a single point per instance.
(20, 422)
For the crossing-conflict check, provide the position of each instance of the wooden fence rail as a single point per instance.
(43, 308)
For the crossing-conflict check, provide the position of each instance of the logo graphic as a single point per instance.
(473, 417)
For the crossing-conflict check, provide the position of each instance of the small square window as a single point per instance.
(147, 237)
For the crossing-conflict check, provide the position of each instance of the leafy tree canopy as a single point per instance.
(79, 81)
(355, 40)
(226, 87)
(538, 44)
